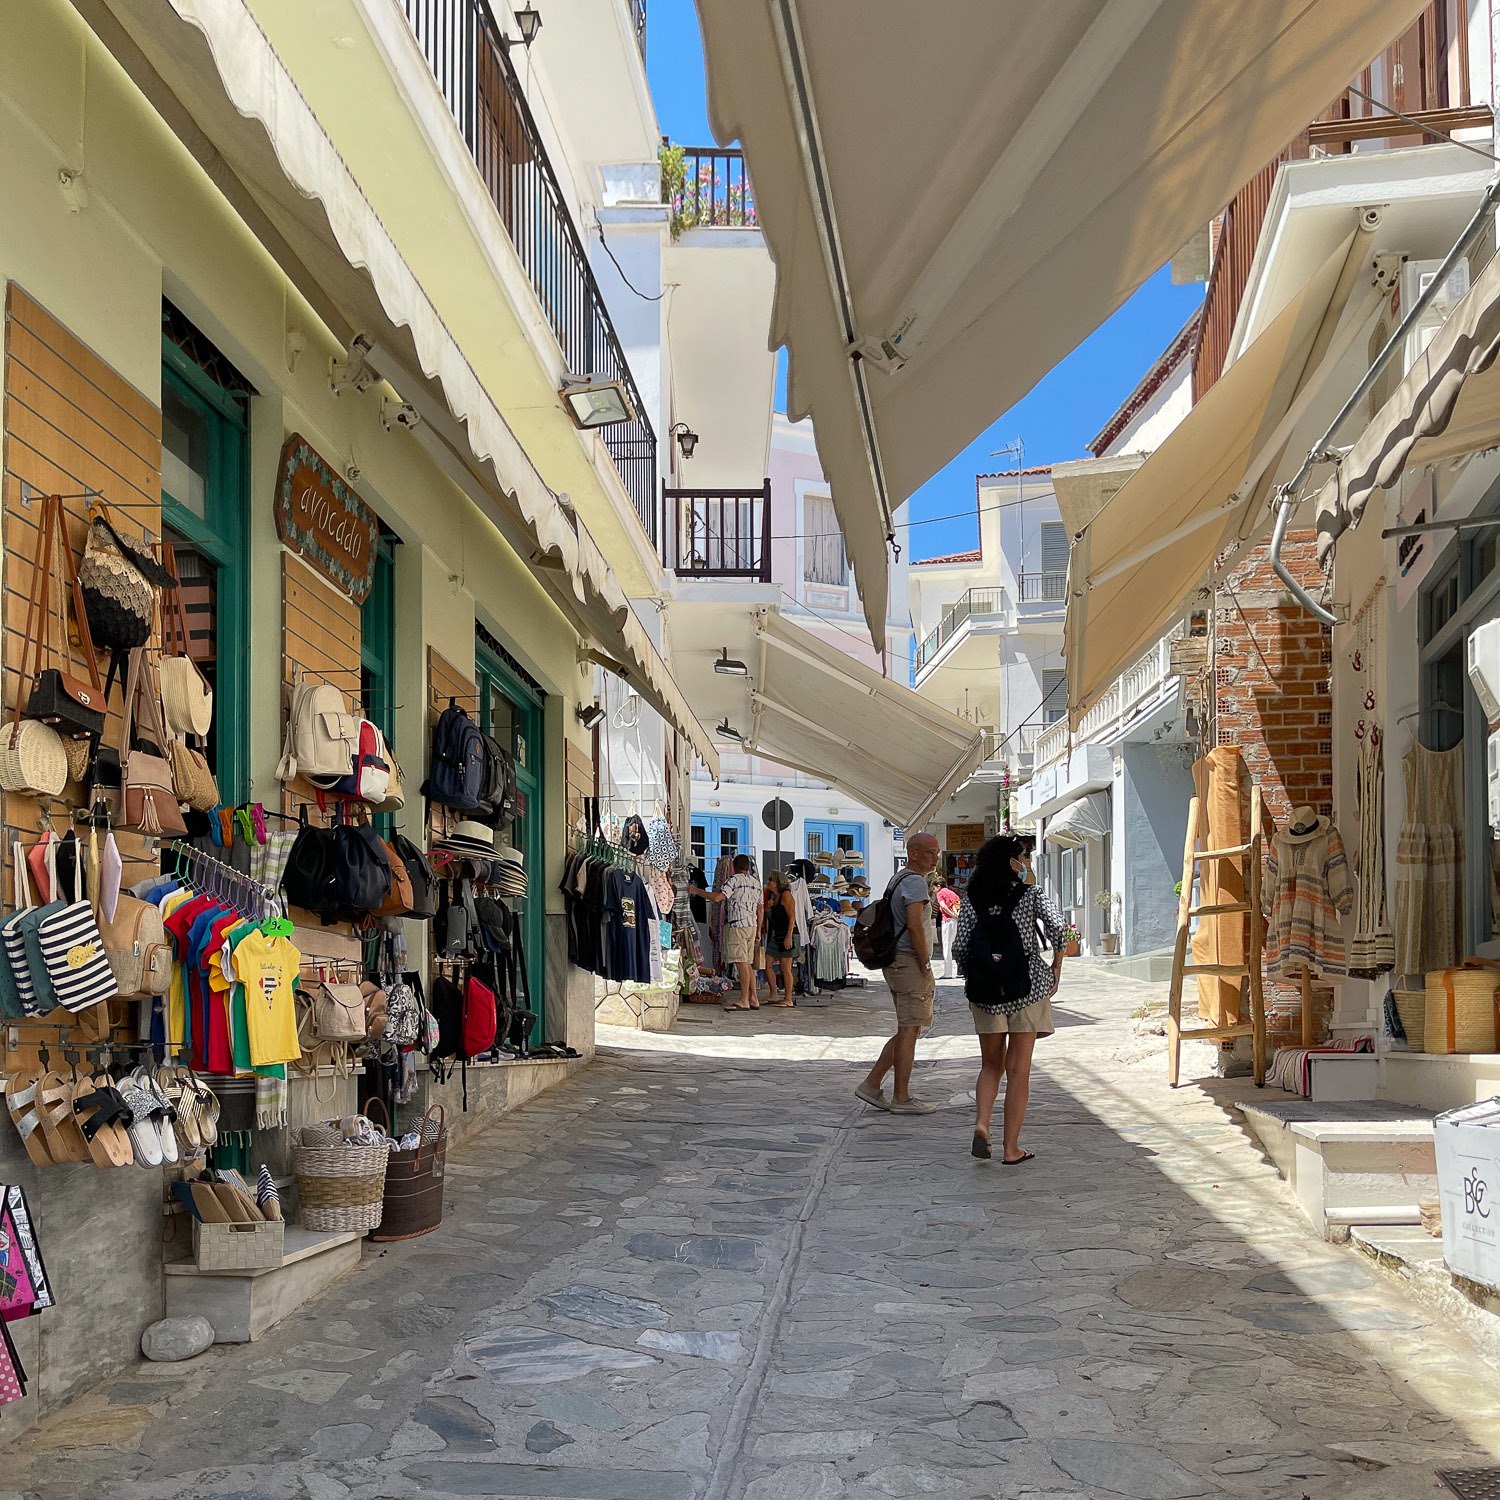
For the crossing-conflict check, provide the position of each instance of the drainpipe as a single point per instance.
(1322, 450)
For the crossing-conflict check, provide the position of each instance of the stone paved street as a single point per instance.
(701, 1269)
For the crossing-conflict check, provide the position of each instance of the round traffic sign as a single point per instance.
(777, 815)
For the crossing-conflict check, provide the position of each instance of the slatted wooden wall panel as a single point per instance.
(320, 632)
(72, 423)
(445, 684)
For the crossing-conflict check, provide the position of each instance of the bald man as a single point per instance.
(911, 982)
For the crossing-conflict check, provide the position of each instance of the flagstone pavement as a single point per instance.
(700, 1270)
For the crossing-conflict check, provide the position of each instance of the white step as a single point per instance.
(1438, 1082)
(1349, 1162)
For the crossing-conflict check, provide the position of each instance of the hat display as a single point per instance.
(508, 873)
(841, 885)
(1304, 824)
(469, 838)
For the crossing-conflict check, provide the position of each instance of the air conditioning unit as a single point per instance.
(1484, 667)
(1416, 277)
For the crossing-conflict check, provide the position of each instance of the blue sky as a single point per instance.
(1066, 408)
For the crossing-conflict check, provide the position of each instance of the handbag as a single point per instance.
(118, 584)
(18, 933)
(148, 800)
(398, 899)
(72, 951)
(395, 794)
(192, 779)
(187, 699)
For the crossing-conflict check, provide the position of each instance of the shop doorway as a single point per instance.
(824, 836)
(718, 835)
(511, 710)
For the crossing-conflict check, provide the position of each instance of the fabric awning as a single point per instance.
(1447, 405)
(1087, 818)
(213, 75)
(816, 709)
(973, 187)
(1156, 538)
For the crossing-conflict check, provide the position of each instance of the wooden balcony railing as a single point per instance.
(718, 533)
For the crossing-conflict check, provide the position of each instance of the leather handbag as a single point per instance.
(422, 882)
(398, 899)
(148, 800)
(395, 793)
(136, 947)
(187, 699)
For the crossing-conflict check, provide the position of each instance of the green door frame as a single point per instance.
(222, 535)
(492, 674)
(377, 654)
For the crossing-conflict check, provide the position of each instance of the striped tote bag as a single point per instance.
(73, 953)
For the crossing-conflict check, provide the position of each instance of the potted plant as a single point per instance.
(1072, 941)
(1109, 942)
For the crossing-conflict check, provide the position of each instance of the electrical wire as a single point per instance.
(644, 296)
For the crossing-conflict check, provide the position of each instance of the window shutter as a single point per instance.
(823, 559)
(1054, 694)
(1054, 547)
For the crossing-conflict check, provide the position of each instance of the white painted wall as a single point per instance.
(1149, 428)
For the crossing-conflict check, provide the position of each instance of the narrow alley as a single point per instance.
(701, 1269)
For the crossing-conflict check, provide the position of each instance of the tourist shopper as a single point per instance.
(948, 903)
(742, 897)
(1008, 984)
(780, 936)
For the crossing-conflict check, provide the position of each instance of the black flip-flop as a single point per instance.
(980, 1147)
(1024, 1156)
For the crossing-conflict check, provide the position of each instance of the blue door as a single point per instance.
(823, 834)
(714, 835)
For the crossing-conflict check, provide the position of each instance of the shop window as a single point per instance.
(205, 469)
(511, 710)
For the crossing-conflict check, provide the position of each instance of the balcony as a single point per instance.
(955, 617)
(638, 24)
(707, 187)
(718, 533)
(1043, 588)
(466, 51)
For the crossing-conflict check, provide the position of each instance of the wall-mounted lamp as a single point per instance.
(589, 714)
(687, 439)
(726, 731)
(528, 23)
(595, 403)
(727, 666)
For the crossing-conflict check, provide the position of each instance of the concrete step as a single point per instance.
(1438, 1082)
(1349, 1161)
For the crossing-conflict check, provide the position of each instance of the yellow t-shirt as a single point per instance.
(267, 967)
(177, 993)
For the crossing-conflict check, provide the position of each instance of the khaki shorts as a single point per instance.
(739, 945)
(1036, 1017)
(911, 989)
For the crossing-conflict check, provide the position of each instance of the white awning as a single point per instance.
(973, 187)
(1447, 405)
(214, 76)
(1087, 818)
(1155, 540)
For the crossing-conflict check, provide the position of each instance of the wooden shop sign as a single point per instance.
(324, 522)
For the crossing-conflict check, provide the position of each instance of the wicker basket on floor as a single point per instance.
(1411, 1006)
(340, 1188)
(414, 1182)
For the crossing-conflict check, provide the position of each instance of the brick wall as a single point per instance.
(1273, 662)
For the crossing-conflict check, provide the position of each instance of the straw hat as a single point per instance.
(1303, 825)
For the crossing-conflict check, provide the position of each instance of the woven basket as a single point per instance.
(413, 1202)
(1411, 1006)
(238, 1247)
(340, 1187)
(1461, 1010)
(32, 758)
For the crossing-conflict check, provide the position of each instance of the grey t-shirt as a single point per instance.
(909, 887)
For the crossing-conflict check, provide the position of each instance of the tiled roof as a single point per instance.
(1150, 383)
(1017, 473)
(951, 557)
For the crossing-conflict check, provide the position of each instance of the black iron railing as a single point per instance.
(973, 602)
(466, 51)
(718, 533)
(638, 24)
(713, 190)
(1043, 588)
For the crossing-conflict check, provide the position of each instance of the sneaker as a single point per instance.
(912, 1106)
(872, 1096)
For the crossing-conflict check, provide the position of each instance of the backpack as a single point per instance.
(367, 777)
(361, 870)
(424, 883)
(403, 1011)
(480, 1018)
(497, 795)
(997, 970)
(447, 1010)
(457, 775)
(876, 930)
(309, 877)
(322, 736)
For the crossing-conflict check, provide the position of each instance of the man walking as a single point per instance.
(742, 930)
(910, 979)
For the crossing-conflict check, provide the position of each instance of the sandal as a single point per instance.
(206, 1109)
(20, 1100)
(165, 1115)
(64, 1138)
(145, 1137)
(100, 1110)
(172, 1082)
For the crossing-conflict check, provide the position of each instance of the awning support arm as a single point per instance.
(1286, 498)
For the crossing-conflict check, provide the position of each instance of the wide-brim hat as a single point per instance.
(1304, 824)
(469, 838)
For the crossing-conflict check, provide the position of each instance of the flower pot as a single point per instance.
(1072, 948)
(1109, 944)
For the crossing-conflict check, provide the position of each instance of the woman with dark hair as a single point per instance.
(1008, 985)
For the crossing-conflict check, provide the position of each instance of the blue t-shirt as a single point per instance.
(909, 888)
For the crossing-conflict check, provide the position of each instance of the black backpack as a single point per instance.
(424, 885)
(457, 774)
(446, 1005)
(497, 796)
(996, 968)
(361, 869)
(309, 877)
(876, 931)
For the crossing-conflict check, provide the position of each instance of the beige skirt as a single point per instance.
(1036, 1017)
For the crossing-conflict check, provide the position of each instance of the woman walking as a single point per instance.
(948, 904)
(781, 936)
(1009, 987)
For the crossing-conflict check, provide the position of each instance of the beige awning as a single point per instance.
(214, 76)
(973, 187)
(1077, 823)
(1157, 537)
(1447, 405)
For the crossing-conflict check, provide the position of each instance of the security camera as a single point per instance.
(399, 414)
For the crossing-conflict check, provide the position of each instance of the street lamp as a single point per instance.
(687, 439)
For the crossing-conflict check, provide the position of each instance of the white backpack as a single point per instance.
(322, 736)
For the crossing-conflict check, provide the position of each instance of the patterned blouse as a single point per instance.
(1032, 909)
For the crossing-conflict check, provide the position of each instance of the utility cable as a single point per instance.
(630, 285)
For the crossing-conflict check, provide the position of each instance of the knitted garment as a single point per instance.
(1308, 889)
(1428, 906)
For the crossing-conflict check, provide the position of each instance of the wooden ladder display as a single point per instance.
(1250, 970)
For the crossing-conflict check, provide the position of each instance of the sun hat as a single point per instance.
(469, 838)
(1303, 825)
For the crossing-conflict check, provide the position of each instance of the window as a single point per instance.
(823, 557)
(823, 836)
(719, 836)
(205, 467)
(1054, 547)
(1054, 694)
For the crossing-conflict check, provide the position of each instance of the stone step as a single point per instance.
(1349, 1161)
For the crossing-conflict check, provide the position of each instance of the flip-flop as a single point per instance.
(980, 1148)
(207, 1111)
(20, 1101)
(165, 1115)
(173, 1083)
(1024, 1156)
(98, 1110)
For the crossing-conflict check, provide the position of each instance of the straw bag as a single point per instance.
(1411, 1006)
(413, 1200)
(1460, 1013)
(340, 1187)
(194, 783)
(187, 700)
(32, 758)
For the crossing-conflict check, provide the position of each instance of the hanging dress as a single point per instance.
(1309, 886)
(1429, 863)
(1373, 950)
